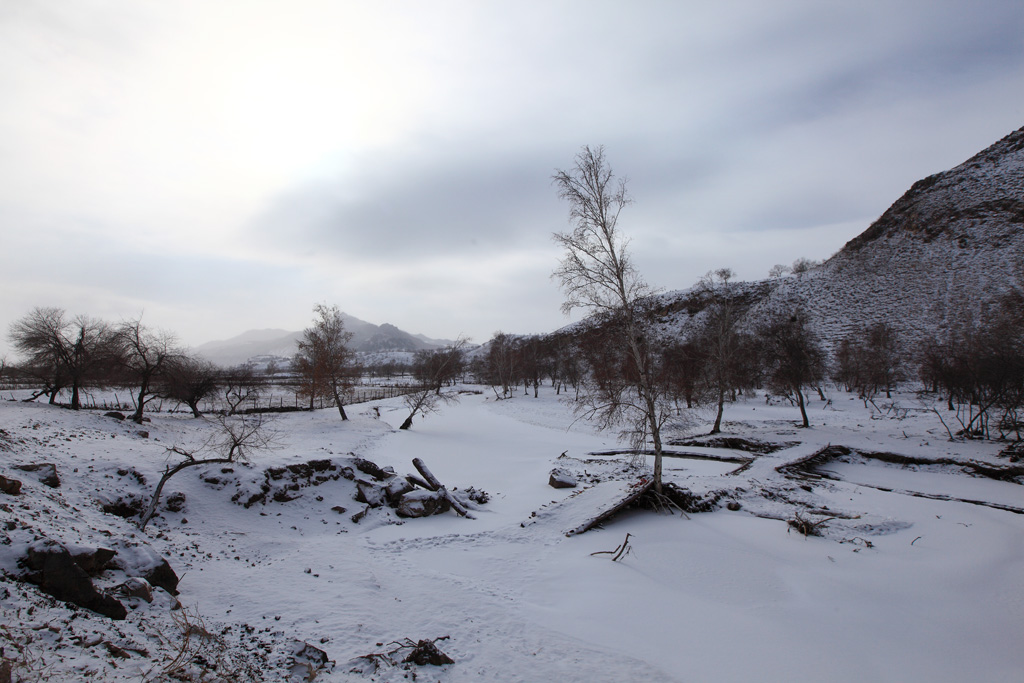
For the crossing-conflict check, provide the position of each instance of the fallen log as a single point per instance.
(632, 495)
(435, 485)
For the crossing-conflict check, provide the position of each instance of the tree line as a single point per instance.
(64, 354)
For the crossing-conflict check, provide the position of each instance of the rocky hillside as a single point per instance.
(938, 256)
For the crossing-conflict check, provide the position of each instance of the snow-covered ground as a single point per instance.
(899, 587)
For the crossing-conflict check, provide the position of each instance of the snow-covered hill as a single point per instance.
(951, 245)
(942, 253)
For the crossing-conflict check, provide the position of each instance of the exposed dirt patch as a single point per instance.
(735, 443)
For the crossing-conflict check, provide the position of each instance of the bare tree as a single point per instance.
(870, 360)
(239, 385)
(324, 360)
(720, 340)
(235, 439)
(980, 367)
(190, 380)
(597, 275)
(63, 353)
(803, 265)
(144, 356)
(778, 270)
(684, 364)
(793, 358)
(432, 369)
(502, 367)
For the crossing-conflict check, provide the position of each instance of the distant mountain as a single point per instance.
(367, 338)
(237, 350)
(941, 254)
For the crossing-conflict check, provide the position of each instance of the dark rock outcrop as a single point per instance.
(52, 568)
(422, 503)
(561, 479)
(11, 487)
(46, 471)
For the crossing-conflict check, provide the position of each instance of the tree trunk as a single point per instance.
(803, 408)
(407, 424)
(341, 406)
(721, 408)
(74, 397)
(194, 405)
(143, 390)
(652, 420)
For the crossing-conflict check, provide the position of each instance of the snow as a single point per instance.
(899, 587)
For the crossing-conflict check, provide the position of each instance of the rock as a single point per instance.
(307, 661)
(420, 503)
(143, 433)
(369, 493)
(128, 506)
(11, 487)
(340, 510)
(175, 502)
(55, 572)
(732, 505)
(141, 560)
(135, 587)
(91, 560)
(561, 479)
(46, 471)
(115, 414)
(427, 652)
(396, 488)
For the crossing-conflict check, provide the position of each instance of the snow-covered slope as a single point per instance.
(916, 575)
(947, 249)
(952, 244)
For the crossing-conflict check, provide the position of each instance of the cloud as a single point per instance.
(226, 165)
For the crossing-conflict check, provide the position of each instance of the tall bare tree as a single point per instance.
(190, 380)
(324, 359)
(720, 339)
(240, 385)
(145, 355)
(598, 276)
(793, 358)
(61, 352)
(502, 364)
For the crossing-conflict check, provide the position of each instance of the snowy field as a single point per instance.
(909, 583)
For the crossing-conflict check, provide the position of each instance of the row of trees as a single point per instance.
(74, 353)
(980, 368)
(63, 353)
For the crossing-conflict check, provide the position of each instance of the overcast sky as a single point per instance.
(223, 166)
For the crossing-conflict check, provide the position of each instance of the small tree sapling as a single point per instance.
(235, 439)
